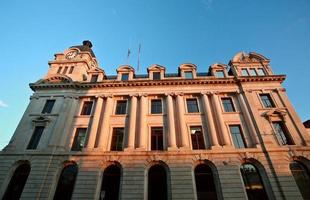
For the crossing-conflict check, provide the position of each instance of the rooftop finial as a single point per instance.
(87, 43)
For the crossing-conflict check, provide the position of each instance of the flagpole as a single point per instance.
(139, 50)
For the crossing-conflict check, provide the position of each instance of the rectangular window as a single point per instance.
(219, 74)
(65, 70)
(157, 138)
(245, 72)
(156, 106)
(253, 72)
(121, 107)
(156, 75)
(267, 101)
(87, 106)
(197, 137)
(188, 75)
(79, 139)
(35, 139)
(94, 78)
(237, 136)
(228, 105)
(192, 106)
(125, 77)
(282, 134)
(261, 72)
(49, 104)
(71, 69)
(59, 70)
(117, 139)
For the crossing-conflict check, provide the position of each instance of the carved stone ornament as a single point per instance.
(270, 115)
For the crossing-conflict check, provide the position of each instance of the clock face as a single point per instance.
(71, 54)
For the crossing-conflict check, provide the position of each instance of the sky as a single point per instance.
(171, 32)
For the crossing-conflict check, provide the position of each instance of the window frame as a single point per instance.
(65, 70)
(187, 107)
(244, 70)
(272, 102)
(71, 70)
(94, 78)
(285, 131)
(117, 104)
(237, 146)
(258, 70)
(84, 110)
(217, 72)
(59, 70)
(76, 139)
(161, 107)
(253, 70)
(157, 74)
(35, 137)
(188, 75)
(48, 108)
(123, 75)
(197, 137)
(158, 147)
(231, 103)
(115, 146)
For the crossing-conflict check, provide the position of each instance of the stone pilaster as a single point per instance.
(132, 123)
(171, 123)
(142, 125)
(182, 125)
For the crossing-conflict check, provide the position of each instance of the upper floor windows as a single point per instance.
(121, 107)
(282, 134)
(197, 137)
(261, 72)
(267, 101)
(35, 138)
(188, 74)
(71, 69)
(253, 72)
(59, 70)
(157, 138)
(237, 136)
(87, 107)
(65, 70)
(192, 106)
(156, 76)
(117, 143)
(245, 72)
(156, 106)
(49, 104)
(125, 77)
(228, 104)
(219, 74)
(79, 139)
(94, 78)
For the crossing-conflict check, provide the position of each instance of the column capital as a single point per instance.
(133, 95)
(107, 95)
(169, 94)
(142, 94)
(178, 94)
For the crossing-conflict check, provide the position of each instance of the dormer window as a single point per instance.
(253, 72)
(94, 78)
(244, 72)
(125, 77)
(261, 72)
(156, 75)
(219, 74)
(188, 74)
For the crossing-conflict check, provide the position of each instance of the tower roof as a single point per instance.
(86, 46)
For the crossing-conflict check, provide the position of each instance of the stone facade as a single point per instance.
(74, 78)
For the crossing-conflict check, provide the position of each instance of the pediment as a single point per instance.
(187, 66)
(59, 78)
(272, 114)
(125, 68)
(252, 57)
(156, 67)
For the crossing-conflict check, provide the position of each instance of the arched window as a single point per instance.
(110, 183)
(205, 187)
(253, 182)
(17, 183)
(157, 183)
(302, 177)
(66, 182)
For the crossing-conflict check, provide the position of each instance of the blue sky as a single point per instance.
(171, 32)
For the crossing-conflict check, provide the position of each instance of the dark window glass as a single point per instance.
(65, 70)
(267, 101)
(59, 70)
(110, 183)
(282, 134)
(48, 106)
(94, 78)
(156, 75)
(228, 105)
(253, 182)
(156, 106)
(35, 139)
(302, 178)
(245, 72)
(17, 182)
(157, 138)
(79, 139)
(188, 75)
(237, 136)
(87, 106)
(71, 69)
(121, 107)
(157, 183)
(253, 72)
(125, 77)
(66, 182)
(197, 137)
(261, 72)
(220, 74)
(192, 105)
(205, 187)
(117, 139)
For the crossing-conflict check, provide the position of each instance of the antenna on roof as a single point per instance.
(139, 50)
(128, 55)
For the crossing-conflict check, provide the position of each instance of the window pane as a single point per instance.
(59, 70)
(48, 106)
(125, 77)
(302, 178)
(156, 106)
(253, 72)
(121, 107)
(71, 69)
(228, 105)
(253, 182)
(205, 186)
(35, 139)
(157, 138)
(156, 75)
(188, 75)
(94, 78)
(87, 106)
(245, 72)
(192, 105)
(220, 74)
(110, 183)
(65, 70)
(267, 101)
(197, 137)
(117, 139)
(237, 136)
(261, 72)
(79, 139)
(282, 134)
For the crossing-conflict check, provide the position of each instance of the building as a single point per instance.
(228, 133)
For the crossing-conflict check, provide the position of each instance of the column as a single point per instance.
(104, 127)
(247, 118)
(182, 125)
(132, 123)
(171, 126)
(92, 133)
(210, 121)
(220, 121)
(142, 125)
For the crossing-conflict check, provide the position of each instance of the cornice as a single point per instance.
(274, 78)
